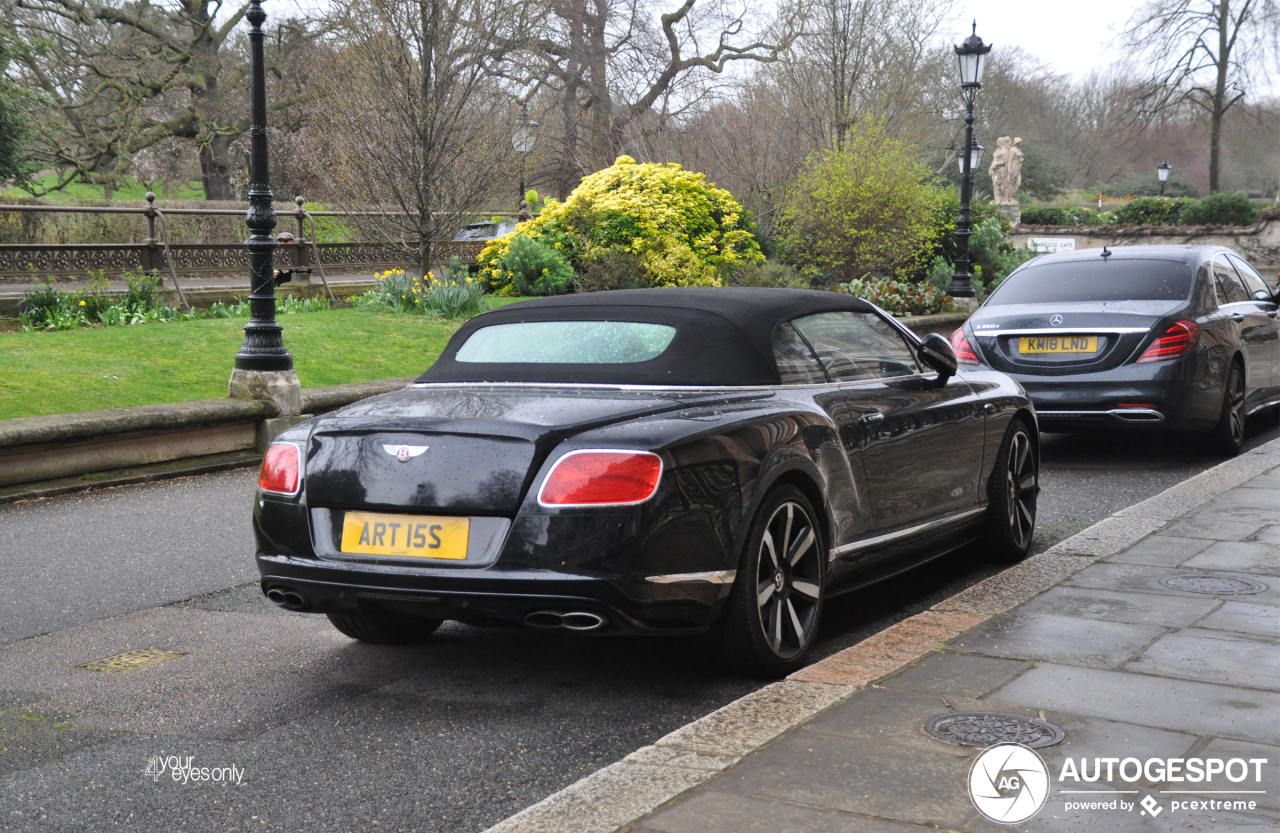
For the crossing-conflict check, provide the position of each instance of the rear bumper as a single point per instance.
(493, 597)
(1156, 396)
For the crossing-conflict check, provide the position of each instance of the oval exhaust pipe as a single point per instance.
(581, 620)
(276, 596)
(574, 620)
(545, 619)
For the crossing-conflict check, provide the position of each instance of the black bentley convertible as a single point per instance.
(649, 461)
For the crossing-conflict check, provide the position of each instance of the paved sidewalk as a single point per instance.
(1123, 664)
(1108, 636)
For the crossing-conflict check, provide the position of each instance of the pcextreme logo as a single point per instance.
(1008, 783)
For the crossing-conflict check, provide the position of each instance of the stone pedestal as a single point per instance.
(1012, 212)
(966, 305)
(280, 387)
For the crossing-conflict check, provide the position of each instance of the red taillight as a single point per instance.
(1176, 342)
(597, 478)
(281, 471)
(965, 354)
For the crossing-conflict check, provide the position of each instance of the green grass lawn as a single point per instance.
(118, 367)
(131, 190)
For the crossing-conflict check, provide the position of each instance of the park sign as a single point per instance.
(1046, 245)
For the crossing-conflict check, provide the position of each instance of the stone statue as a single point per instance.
(1006, 170)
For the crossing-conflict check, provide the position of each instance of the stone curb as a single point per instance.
(620, 794)
(188, 467)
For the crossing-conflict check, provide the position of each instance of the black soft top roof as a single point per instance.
(722, 335)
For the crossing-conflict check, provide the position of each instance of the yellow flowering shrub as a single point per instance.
(679, 229)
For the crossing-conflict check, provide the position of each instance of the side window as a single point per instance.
(1227, 283)
(857, 346)
(1253, 282)
(796, 362)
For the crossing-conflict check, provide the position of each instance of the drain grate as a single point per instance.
(131, 660)
(983, 729)
(1213, 585)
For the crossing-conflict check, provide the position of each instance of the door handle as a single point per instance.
(871, 419)
(1271, 314)
(1237, 317)
(989, 408)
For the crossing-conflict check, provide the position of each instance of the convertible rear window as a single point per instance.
(1097, 279)
(566, 342)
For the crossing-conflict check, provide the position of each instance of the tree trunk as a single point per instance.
(215, 169)
(1219, 96)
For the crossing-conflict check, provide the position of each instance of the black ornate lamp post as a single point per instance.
(1163, 172)
(972, 54)
(263, 368)
(523, 137)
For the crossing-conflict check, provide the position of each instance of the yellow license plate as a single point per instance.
(1058, 344)
(421, 536)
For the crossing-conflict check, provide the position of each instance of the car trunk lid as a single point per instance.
(1062, 338)
(460, 449)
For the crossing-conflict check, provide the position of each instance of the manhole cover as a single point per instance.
(983, 729)
(130, 660)
(1214, 585)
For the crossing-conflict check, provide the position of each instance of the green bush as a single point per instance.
(535, 268)
(614, 268)
(142, 288)
(991, 258)
(1152, 211)
(866, 209)
(768, 274)
(1147, 185)
(1225, 208)
(899, 297)
(1059, 215)
(682, 230)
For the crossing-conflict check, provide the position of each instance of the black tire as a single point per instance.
(1011, 495)
(1228, 435)
(771, 617)
(384, 631)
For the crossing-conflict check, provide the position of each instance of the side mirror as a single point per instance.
(936, 353)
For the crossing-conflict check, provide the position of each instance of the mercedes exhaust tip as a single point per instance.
(573, 620)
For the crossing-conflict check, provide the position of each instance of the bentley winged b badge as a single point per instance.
(404, 452)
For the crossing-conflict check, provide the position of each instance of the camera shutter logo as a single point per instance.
(1008, 783)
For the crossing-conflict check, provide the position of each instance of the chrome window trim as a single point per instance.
(888, 537)
(709, 577)
(1038, 331)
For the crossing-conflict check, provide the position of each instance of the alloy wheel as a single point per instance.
(1236, 408)
(788, 580)
(1020, 481)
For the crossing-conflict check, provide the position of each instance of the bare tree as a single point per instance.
(612, 70)
(416, 120)
(1204, 53)
(119, 77)
(859, 56)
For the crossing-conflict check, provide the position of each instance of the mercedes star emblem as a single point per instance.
(1055, 320)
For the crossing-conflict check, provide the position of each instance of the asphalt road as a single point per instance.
(333, 735)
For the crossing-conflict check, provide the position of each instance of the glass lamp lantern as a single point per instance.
(972, 55)
(975, 157)
(1163, 171)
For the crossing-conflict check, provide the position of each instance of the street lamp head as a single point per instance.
(972, 55)
(524, 134)
(1163, 171)
(975, 156)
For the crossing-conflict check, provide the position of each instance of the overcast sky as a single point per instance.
(1072, 37)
